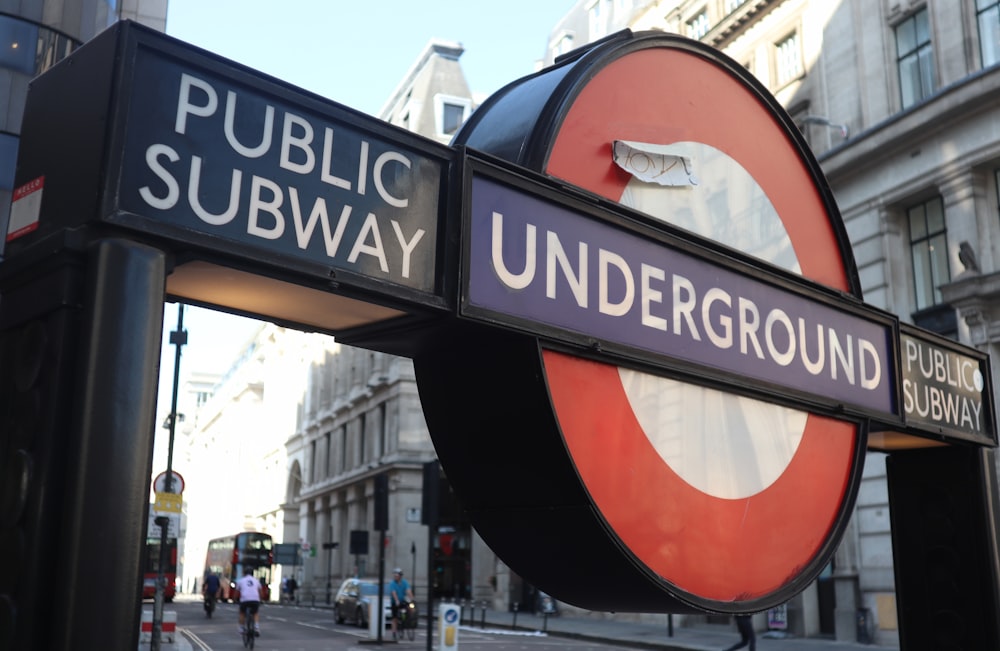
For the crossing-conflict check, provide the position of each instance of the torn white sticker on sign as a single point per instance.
(661, 164)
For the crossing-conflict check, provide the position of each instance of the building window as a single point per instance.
(362, 439)
(732, 5)
(697, 27)
(988, 17)
(383, 431)
(29, 48)
(914, 58)
(450, 113)
(788, 59)
(563, 45)
(597, 19)
(328, 441)
(996, 178)
(929, 251)
(312, 461)
(343, 448)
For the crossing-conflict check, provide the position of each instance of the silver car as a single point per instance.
(353, 599)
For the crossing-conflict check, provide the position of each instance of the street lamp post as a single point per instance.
(178, 338)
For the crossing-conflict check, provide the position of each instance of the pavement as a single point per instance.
(637, 635)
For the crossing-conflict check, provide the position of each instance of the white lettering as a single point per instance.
(556, 258)
(605, 260)
(258, 205)
(374, 249)
(167, 202)
(186, 108)
(512, 280)
(230, 129)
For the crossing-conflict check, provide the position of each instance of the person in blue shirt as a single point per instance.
(211, 590)
(400, 595)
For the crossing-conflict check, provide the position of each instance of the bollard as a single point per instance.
(472, 612)
(545, 621)
(514, 625)
(484, 615)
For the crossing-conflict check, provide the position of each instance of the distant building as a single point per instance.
(230, 446)
(361, 418)
(433, 99)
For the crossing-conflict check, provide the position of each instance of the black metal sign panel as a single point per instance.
(205, 154)
(945, 387)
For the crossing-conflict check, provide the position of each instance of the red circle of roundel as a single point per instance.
(710, 547)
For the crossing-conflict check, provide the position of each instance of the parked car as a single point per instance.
(353, 597)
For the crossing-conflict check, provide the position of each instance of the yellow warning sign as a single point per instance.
(167, 503)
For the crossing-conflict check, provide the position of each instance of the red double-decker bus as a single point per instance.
(151, 568)
(228, 556)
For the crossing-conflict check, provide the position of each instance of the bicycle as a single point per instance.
(407, 625)
(249, 633)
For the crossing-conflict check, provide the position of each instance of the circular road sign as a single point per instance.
(722, 501)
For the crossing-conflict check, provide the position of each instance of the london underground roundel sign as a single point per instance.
(723, 501)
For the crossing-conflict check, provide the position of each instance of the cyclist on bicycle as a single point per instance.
(250, 592)
(400, 594)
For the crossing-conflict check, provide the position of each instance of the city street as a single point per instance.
(312, 629)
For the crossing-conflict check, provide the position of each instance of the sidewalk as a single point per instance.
(652, 636)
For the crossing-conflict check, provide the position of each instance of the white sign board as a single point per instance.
(173, 526)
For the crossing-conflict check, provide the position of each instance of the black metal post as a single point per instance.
(329, 566)
(381, 584)
(178, 338)
(431, 527)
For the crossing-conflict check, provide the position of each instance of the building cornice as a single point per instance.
(904, 131)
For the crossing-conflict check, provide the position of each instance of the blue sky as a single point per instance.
(354, 53)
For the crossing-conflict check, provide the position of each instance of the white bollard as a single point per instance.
(373, 615)
(448, 616)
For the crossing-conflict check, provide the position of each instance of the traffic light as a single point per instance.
(359, 542)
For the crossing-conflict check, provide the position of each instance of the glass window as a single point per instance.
(29, 48)
(18, 43)
(929, 251)
(988, 18)
(915, 58)
(789, 59)
(563, 45)
(450, 113)
(452, 118)
(597, 17)
(732, 5)
(697, 27)
(8, 160)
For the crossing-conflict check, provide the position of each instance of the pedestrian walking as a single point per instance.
(744, 624)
